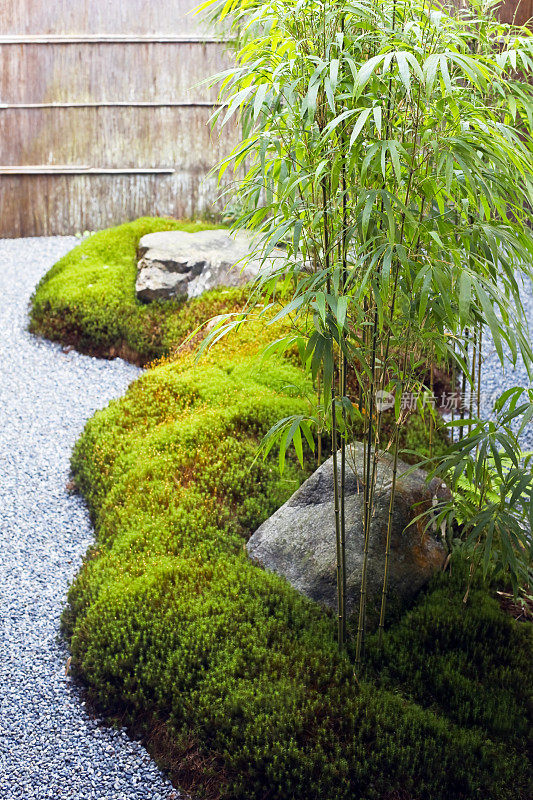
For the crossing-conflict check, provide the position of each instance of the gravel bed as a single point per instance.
(50, 744)
(494, 380)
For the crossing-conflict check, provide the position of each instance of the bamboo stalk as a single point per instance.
(368, 496)
(344, 367)
(388, 540)
(454, 386)
(473, 368)
(319, 431)
(340, 608)
(340, 598)
(479, 365)
(431, 421)
(343, 504)
(463, 385)
(391, 501)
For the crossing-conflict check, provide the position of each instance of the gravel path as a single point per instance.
(50, 746)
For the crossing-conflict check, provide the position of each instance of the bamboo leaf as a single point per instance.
(334, 72)
(403, 69)
(259, 98)
(294, 305)
(358, 127)
(430, 68)
(306, 430)
(491, 318)
(395, 158)
(298, 225)
(443, 63)
(320, 302)
(465, 296)
(366, 71)
(329, 94)
(377, 112)
(283, 451)
(342, 305)
(369, 203)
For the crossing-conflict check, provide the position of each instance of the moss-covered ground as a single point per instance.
(233, 678)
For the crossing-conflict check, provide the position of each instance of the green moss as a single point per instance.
(169, 620)
(474, 664)
(174, 630)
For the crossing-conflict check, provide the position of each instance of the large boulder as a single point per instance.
(178, 264)
(298, 541)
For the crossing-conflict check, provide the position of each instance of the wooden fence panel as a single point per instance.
(38, 205)
(141, 17)
(32, 73)
(518, 11)
(101, 115)
(108, 137)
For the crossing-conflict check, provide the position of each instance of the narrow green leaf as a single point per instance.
(358, 127)
(342, 305)
(465, 296)
(491, 318)
(366, 71)
(403, 69)
(377, 112)
(259, 98)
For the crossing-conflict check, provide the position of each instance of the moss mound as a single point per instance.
(88, 298)
(173, 628)
(233, 678)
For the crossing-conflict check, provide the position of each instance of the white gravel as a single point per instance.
(50, 745)
(494, 380)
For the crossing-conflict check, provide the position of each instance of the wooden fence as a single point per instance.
(519, 11)
(101, 117)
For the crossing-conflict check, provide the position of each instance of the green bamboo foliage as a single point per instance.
(387, 145)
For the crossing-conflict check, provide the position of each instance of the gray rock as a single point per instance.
(179, 264)
(298, 541)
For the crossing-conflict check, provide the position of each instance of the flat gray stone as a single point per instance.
(176, 264)
(298, 541)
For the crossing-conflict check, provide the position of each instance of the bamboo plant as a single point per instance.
(387, 146)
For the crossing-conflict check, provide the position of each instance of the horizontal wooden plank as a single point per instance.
(118, 104)
(48, 205)
(148, 72)
(121, 137)
(75, 169)
(142, 17)
(109, 38)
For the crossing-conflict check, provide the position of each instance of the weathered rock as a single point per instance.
(179, 264)
(298, 541)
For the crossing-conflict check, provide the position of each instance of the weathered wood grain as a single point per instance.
(50, 205)
(99, 16)
(114, 135)
(108, 72)
(518, 11)
(111, 136)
